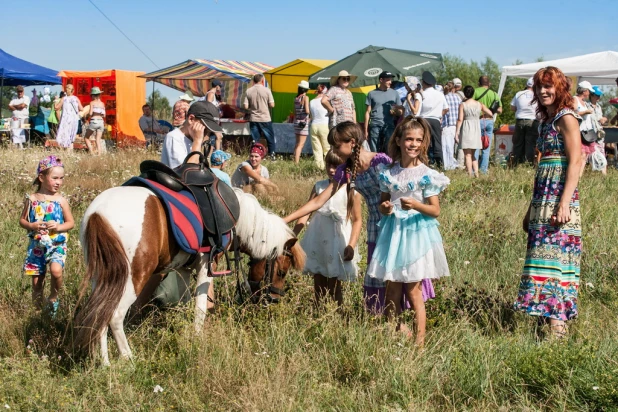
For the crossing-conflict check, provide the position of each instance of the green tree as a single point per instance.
(8, 93)
(160, 106)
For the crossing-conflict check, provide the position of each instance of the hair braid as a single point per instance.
(352, 179)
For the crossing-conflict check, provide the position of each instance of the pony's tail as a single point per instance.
(108, 265)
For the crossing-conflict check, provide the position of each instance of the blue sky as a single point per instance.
(72, 35)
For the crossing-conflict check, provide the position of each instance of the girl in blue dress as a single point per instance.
(409, 246)
(47, 217)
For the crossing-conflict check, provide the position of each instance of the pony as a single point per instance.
(128, 248)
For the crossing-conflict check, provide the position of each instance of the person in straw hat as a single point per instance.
(187, 97)
(301, 118)
(338, 100)
(96, 125)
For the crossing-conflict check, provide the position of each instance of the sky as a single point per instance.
(73, 35)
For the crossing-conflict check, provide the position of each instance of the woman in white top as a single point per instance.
(319, 127)
(96, 124)
(584, 110)
(414, 99)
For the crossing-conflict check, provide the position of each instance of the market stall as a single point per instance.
(14, 72)
(124, 93)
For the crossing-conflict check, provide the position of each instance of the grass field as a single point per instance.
(479, 354)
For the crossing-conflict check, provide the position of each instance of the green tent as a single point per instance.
(369, 62)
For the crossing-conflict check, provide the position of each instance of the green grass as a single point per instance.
(479, 355)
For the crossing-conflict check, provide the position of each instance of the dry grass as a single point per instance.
(479, 354)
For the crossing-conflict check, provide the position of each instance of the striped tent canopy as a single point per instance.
(195, 74)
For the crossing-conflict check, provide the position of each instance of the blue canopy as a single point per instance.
(14, 72)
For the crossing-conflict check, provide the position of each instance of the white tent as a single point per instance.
(597, 68)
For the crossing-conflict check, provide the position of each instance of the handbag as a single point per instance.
(589, 136)
(485, 141)
(494, 106)
(301, 124)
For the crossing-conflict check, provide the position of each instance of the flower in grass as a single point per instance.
(590, 285)
(467, 262)
(158, 389)
(6, 406)
(595, 388)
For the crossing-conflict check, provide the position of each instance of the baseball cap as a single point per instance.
(218, 157)
(216, 83)
(428, 78)
(457, 81)
(586, 85)
(386, 75)
(208, 113)
(530, 82)
(597, 90)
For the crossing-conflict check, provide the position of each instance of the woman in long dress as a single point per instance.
(469, 129)
(71, 106)
(550, 279)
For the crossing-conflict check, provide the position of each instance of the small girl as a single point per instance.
(409, 246)
(330, 240)
(47, 218)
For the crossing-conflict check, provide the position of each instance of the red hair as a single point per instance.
(552, 76)
(320, 89)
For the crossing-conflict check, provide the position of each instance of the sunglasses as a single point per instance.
(345, 79)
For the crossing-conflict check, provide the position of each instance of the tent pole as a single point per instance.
(1, 90)
(153, 107)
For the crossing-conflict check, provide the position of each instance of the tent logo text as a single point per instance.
(373, 72)
(415, 65)
(430, 56)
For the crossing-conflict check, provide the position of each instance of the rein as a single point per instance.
(269, 273)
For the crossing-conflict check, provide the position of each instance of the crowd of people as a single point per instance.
(388, 164)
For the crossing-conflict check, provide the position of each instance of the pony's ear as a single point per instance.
(289, 244)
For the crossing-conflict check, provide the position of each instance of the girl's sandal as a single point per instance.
(52, 307)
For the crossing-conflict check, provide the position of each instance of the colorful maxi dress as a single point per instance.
(69, 122)
(550, 278)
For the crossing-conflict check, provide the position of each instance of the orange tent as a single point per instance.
(124, 94)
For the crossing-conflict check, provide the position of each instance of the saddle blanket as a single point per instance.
(183, 215)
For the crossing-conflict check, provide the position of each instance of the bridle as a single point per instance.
(269, 274)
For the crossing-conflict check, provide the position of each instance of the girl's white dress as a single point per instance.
(327, 235)
(409, 246)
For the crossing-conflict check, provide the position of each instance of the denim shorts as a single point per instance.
(96, 124)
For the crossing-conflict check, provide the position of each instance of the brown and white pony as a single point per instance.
(128, 248)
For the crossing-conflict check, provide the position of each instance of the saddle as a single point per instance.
(216, 201)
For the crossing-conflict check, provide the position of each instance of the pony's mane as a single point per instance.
(261, 232)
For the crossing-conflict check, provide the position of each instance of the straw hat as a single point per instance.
(304, 84)
(94, 91)
(187, 97)
(342, 73)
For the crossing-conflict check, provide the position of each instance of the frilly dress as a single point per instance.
(327, 235)
(409, 246)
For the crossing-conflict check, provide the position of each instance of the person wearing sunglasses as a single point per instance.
(338, 100)
(202, 121)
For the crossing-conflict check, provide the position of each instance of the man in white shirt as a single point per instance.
(526, 124)
(20, 107)
(150, 125)
(434, 107)
(202, 120)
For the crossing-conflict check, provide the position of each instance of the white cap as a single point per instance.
(457, 81)
(530, 82)
(586, 85)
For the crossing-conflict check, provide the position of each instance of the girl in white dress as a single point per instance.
(409, 246)
(330, 240)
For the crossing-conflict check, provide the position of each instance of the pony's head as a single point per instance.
(273, 271)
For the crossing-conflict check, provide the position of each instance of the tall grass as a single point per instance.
(479, 354)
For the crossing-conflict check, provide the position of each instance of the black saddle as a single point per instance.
(217, 201)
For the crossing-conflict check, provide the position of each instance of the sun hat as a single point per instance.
(304, 84)
(342, 73)
(412, 81)
(95, 91)
(187, 97)
(457, 81)
(530, 82)
(47, 163)
(597, 91)
(218, 157)
(260, 149)
(586, 85)
(208, 113)
(428, 78)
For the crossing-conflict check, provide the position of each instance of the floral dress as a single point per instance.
(69, 122)
(47, 247)
(550, 278)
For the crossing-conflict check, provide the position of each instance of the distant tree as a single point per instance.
(160, 106)
(8, 94)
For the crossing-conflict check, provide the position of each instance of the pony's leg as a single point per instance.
(201, 293)
(117, 322)
(104, 351)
